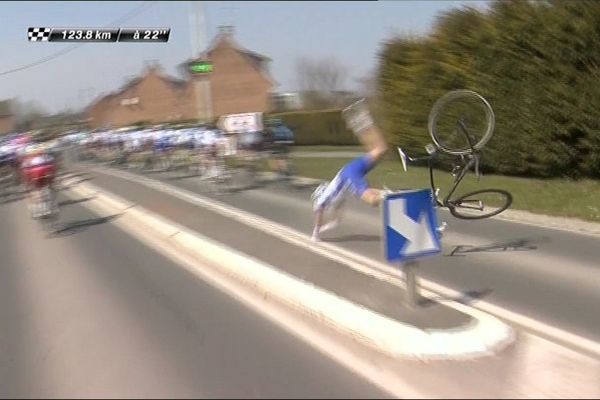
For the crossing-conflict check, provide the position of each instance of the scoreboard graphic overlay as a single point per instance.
(106, 35)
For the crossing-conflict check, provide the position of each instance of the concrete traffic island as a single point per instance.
(431, 331)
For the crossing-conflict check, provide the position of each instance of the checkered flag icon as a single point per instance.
(38, 34)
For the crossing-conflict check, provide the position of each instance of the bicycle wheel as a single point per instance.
(461, 121)
(480, 204)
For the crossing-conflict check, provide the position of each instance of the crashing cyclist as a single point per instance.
(330, 196)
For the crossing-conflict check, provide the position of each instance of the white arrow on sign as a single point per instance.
(417, 233)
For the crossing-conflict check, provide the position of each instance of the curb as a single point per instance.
(485, 336)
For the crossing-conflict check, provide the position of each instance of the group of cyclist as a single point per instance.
(205, 145)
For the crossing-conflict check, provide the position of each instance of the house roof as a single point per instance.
(176, 83)
(100, 99)
(254, 54)
(128, 85)
(255, 59)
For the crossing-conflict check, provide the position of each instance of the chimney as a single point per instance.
(226, 30)
(152, 66)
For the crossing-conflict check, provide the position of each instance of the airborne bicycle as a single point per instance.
(460, 124)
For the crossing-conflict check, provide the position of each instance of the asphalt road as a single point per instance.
(546, 274)
(92, 312)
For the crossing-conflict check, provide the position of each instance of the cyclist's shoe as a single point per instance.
(330, 225)
(315, 235)
(31, 208)
(35, 211)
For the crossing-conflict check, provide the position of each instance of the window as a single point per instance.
(130, 101)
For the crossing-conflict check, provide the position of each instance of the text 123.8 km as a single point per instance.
(84, 35)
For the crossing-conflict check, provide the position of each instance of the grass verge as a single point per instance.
(556, 197)
(296, 149)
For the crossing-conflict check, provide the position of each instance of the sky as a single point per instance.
(351, 32)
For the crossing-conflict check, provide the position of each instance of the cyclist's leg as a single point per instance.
(335, 215)
(33, 195)
(319, 217)
(275, 160)
(322, 223)
(329, 196)
(53, 188)
(212, 162)
(283, 160)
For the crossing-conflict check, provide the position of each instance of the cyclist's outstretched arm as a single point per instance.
(374, 141)
(359, 120)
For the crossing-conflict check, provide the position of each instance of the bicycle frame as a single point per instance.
(457, 179)
(458, 172)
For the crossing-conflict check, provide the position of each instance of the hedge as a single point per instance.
(536, 62)
(317, 127)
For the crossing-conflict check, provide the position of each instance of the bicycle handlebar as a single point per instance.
(432, 151)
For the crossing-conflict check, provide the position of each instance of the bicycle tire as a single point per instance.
(455, 205)
(443, 104)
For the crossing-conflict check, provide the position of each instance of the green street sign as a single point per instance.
(201, 67)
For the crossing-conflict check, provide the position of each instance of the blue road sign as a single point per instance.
(410, 226)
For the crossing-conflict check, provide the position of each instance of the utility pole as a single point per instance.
(199, 43)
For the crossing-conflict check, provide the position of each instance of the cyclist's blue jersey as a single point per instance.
(350, 179)
(161, 144)
(354, 174)
(172, 141)
(8, 154)
(5, 159)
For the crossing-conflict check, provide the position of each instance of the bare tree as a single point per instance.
(321, 81)
(367, 85)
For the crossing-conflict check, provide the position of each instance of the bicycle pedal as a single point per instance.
(430, 149)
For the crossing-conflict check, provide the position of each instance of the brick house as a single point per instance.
(151, 98)
(240, 82)
(7, 117)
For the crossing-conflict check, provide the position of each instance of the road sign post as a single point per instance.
(412, 288)
(410, 233)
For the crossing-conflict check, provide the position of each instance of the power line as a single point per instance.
(136, 11)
